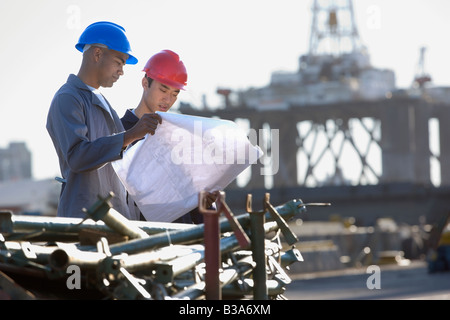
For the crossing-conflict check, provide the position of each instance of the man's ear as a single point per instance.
(97, 53)
(144, 82)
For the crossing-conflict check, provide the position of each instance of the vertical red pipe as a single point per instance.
(211, 238)
(212, 256)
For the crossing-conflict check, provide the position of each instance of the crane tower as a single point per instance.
(333, 28)
(335, 69)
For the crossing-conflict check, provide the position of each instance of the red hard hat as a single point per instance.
(166, 67)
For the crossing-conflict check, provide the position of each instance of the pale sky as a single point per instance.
(234, 44)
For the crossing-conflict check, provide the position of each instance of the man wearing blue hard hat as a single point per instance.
(86, 131)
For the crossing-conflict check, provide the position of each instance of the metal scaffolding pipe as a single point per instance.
(257, 235)
(10, 223)
(196, 232)
(212, 255)
(102, 210)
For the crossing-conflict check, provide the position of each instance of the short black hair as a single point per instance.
(150, 80)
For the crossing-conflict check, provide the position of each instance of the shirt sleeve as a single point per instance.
(67, 124)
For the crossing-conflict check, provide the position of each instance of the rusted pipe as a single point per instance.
(212, 248)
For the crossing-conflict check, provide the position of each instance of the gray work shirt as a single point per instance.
(86, 140)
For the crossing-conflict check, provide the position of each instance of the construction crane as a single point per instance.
(421, 77)
(333, 29)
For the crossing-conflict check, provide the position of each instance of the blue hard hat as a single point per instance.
(110, 34)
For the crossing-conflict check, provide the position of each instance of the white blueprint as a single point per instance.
(164, 173)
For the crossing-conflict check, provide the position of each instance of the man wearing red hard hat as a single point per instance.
(165, 76)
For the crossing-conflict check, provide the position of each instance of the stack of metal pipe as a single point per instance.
(106, 256)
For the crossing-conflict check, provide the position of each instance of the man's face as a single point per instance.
(111, 66)
(159, 97)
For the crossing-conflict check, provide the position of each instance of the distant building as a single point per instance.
(31, 197)
(15, 162)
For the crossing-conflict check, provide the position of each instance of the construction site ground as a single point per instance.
(407, 281)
